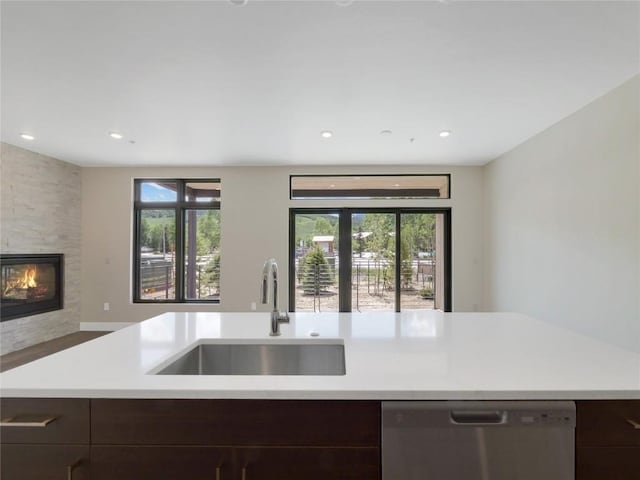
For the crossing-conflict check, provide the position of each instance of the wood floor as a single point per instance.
(26, 355)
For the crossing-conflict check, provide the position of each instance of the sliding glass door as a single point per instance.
(370, 259)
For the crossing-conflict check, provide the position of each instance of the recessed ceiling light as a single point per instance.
(27, 136)
(115, 135)
(445, 133)
(386, 132)
(326, 134)
(333, 185)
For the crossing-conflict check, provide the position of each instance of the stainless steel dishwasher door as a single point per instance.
(469, 440)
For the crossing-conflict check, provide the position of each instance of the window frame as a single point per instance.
(180, 207)
(345, 254)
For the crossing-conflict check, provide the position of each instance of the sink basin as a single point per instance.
(259, 359)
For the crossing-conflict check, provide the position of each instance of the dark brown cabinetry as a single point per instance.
(106, 439)
(608, 440)
(44, 439)
(235, 439)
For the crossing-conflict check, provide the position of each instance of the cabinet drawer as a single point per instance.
(44, 420)
(158, 463)
(608, 463)
(44, 462)
(323, 463)
(235, 422)
(608, 423)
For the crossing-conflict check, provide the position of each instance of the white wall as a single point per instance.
(255, 223)
(563, 222)
(40, 213)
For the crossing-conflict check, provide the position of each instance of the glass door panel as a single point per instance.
(373, 240)
(418, 260)
(316, 262)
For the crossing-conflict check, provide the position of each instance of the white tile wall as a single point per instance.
(40, 212)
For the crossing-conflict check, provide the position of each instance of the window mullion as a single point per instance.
(136, 253)
(180, 219)
(179, 239)
(344, 272)
(398, 257)
(292, 260)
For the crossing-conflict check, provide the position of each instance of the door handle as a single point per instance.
(71, 468)
(633, 423)
(28, 421)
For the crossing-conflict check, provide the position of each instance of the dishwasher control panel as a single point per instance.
(545, 418)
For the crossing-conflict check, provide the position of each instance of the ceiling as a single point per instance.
(214, 83)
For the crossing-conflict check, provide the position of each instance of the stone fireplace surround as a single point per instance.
(40, 213)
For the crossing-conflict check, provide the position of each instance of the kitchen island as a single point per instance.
(427, 355)
(107, 414)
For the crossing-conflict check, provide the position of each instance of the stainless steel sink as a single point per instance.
(262, 359)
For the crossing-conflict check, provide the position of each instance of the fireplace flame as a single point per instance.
(29, 278)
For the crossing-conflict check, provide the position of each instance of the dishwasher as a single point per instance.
(478, 440)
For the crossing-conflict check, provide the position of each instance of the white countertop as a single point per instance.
(410, 356)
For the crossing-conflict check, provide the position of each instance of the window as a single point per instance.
(176, 240)
(365, 259)
(308, 187)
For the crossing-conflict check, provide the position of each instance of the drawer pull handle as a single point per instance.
(633, 423)
(27, 421)
(71, 468)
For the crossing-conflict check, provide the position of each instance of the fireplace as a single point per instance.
(30, 284)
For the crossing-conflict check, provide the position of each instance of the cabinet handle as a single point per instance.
(244, 473)
(27, 421)
(71, 468)
(218, 473)
(633, 423)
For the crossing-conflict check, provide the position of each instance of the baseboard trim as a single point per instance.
(103, 326)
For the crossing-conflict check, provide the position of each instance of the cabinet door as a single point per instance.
(608, 463)
(608, 423)
(160, 463)
(44, 462)
(292, 463)
(608, 440)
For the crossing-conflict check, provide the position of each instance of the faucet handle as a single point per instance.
(277, 318)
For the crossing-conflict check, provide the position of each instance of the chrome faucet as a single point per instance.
(270, 272)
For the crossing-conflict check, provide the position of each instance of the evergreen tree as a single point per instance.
(315, 272)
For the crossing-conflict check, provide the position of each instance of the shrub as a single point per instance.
(427, 293)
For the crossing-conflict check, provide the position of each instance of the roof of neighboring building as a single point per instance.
(323, 238)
